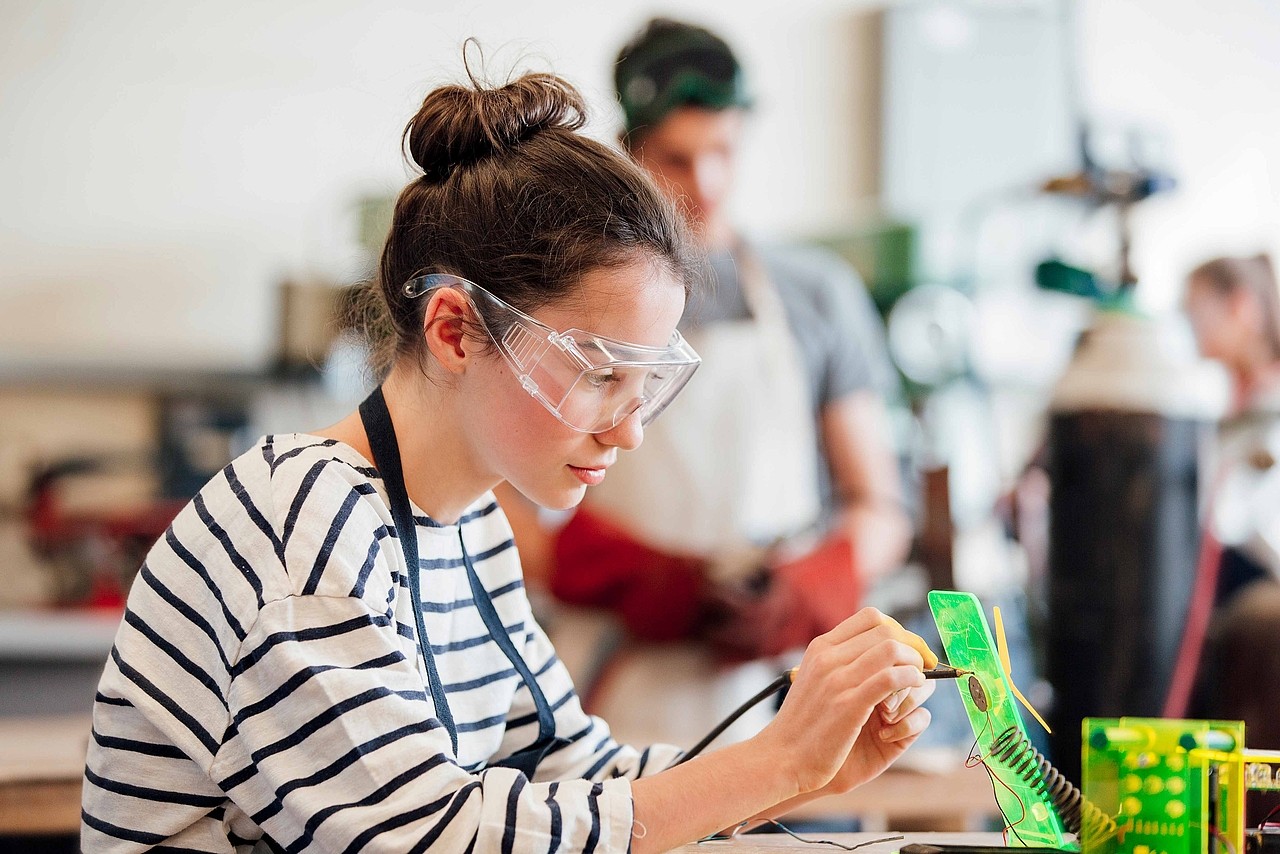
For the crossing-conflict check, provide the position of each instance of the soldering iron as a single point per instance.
(946, 671)
(941, 671)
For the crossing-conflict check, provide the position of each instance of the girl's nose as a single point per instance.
(627, 434)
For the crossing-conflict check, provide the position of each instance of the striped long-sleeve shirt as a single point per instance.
(266, 682)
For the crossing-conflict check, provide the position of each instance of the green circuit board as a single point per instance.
(988, 699)
(1153, 775)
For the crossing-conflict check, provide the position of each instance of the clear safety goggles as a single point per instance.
(591, 383)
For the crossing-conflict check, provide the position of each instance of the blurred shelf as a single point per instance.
(57, 635)
(152, 379)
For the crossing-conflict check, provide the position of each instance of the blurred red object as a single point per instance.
(92, 555)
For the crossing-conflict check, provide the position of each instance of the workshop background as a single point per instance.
(186, 188)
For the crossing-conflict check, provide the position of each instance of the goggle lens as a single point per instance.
(589, 382)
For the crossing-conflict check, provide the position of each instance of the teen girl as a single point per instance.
(331, 648)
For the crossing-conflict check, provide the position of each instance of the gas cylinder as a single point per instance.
(1130, 426)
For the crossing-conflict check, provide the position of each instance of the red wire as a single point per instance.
(976, 759)
(1199, 609)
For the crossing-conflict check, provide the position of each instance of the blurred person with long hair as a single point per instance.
(1233, 305)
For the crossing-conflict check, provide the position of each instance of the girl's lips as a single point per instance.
(591, 477)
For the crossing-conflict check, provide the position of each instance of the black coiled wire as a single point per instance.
(1013, 749)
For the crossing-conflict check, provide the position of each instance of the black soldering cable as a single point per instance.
(942, 671)
(776, 685)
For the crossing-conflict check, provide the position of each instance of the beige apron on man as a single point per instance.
(728, 469)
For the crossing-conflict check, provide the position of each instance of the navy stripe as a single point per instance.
(453, 562)
(604, 760)
(513, 814)
(479, 640)
(523, 720)
(129, 745)
(170, 705)
(331, 538)
(458, 604)
(233, 554)
(557, 823)
(290, 454)
(193, 616)
(304, 491)
(376, 796)
(515, 723)
(371, 558)
(480, 682)
(301, 733)
(339, 765)
(305, 675)
(643, 762)
(551, 662)
(171, 539)
(454, 803)
(476, 726)
(178, 656)
(428, 522)
(160, 795)
(593, 808)
(111, 701)
(273, 640)
(557, 746)
(259, 521)
(121, 832)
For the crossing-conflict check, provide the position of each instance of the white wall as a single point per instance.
(165, 165)
(1208, 76)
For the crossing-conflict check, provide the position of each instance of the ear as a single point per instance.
(444, 328)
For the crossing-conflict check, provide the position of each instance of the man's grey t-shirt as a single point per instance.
(833, 321)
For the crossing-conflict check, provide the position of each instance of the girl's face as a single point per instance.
(514, 438)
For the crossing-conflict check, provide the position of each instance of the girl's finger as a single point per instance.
(868, 619)
(911, 700)
(909, 727)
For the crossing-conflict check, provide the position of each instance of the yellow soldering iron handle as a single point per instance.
(911, 639)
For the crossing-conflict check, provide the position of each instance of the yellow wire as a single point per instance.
(1002, 647)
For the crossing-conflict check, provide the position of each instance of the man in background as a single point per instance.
(767, 499)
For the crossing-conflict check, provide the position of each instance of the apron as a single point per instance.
(386, 457)
(728, 469)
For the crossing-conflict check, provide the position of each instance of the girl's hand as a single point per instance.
(894, 726)
(824, 734)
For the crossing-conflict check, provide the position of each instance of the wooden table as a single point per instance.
(957, 799)
(771, 843)
(41, 766)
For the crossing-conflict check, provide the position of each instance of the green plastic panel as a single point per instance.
(962, 626)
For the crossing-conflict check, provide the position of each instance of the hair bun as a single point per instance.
(458, 125)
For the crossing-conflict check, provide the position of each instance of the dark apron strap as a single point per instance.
(546, 719)
(386, 457)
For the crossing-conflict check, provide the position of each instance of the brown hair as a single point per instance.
(1255, 274)
(514, 199)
